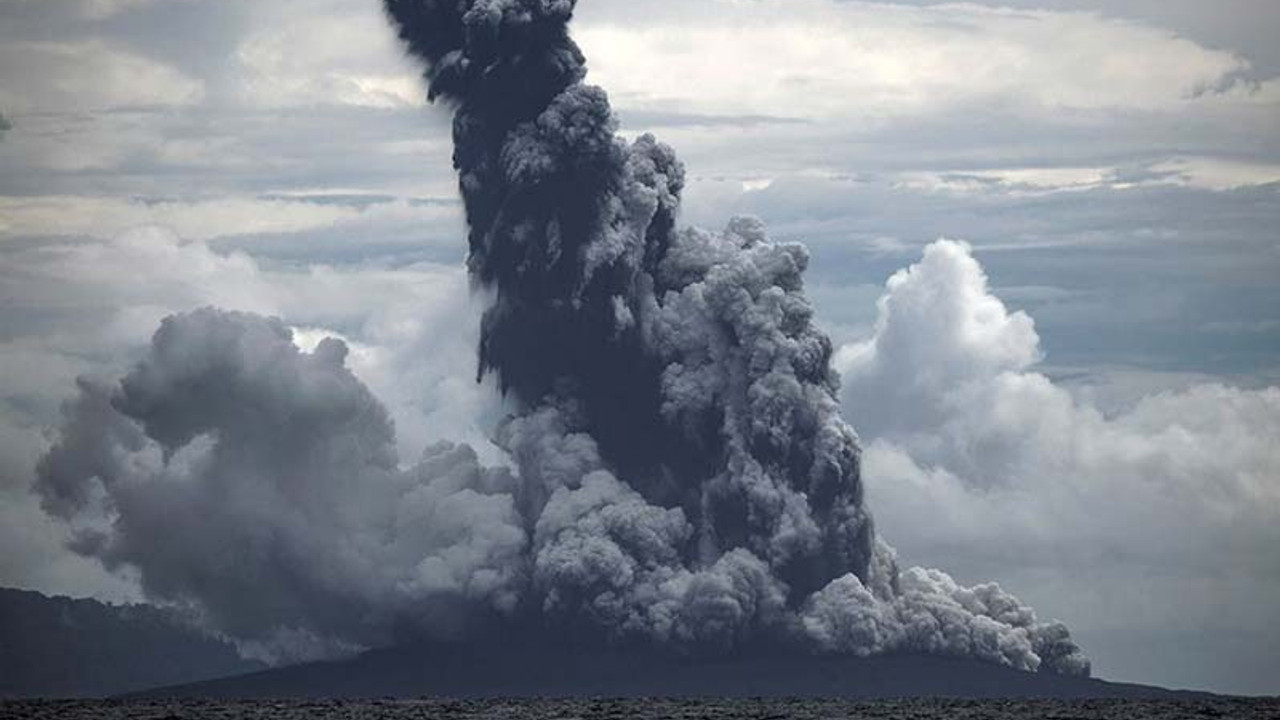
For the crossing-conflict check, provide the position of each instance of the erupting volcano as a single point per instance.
(680, 477)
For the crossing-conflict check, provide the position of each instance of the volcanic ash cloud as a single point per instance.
(680, 473)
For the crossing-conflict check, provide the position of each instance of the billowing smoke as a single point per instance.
(259, 484)
(680, 474)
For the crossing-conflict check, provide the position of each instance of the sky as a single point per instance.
(1076, 389)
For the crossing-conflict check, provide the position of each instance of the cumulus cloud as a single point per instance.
(947, 377)
(1013, 470)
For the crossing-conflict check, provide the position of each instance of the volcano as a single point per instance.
(523, 667)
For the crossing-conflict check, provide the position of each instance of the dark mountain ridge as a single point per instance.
(64, 647)
(523, 667)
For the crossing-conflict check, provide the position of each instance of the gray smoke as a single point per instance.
(680, 476)
(259, 485)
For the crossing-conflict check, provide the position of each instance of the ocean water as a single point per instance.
(658, 708)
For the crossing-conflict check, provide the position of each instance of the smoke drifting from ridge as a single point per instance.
(260, 484)
(681, 473)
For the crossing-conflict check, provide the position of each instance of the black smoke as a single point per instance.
(680, 475)
(690, 356)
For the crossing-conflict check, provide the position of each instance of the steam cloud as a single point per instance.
(680, 474)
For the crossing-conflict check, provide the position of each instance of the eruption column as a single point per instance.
(681, 473)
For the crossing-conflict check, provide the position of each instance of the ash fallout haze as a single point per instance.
(238, 307)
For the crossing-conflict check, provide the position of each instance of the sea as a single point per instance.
(654, 708)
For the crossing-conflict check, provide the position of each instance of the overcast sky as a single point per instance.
(1097, 428)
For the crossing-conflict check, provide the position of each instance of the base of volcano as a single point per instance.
(523, 670)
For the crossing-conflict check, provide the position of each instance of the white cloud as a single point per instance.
(101, 9)
(1205, 173)
(1012, 180)
(1183, 487)
(61, 215)
(404, 320)
(88, 75)
(298, 57)
(1218, 173)
(826, 59)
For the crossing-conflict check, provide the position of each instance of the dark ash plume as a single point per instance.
(681, 473)
(690, 356)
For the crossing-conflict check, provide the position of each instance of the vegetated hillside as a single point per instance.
(60, 647)
(530, 667)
